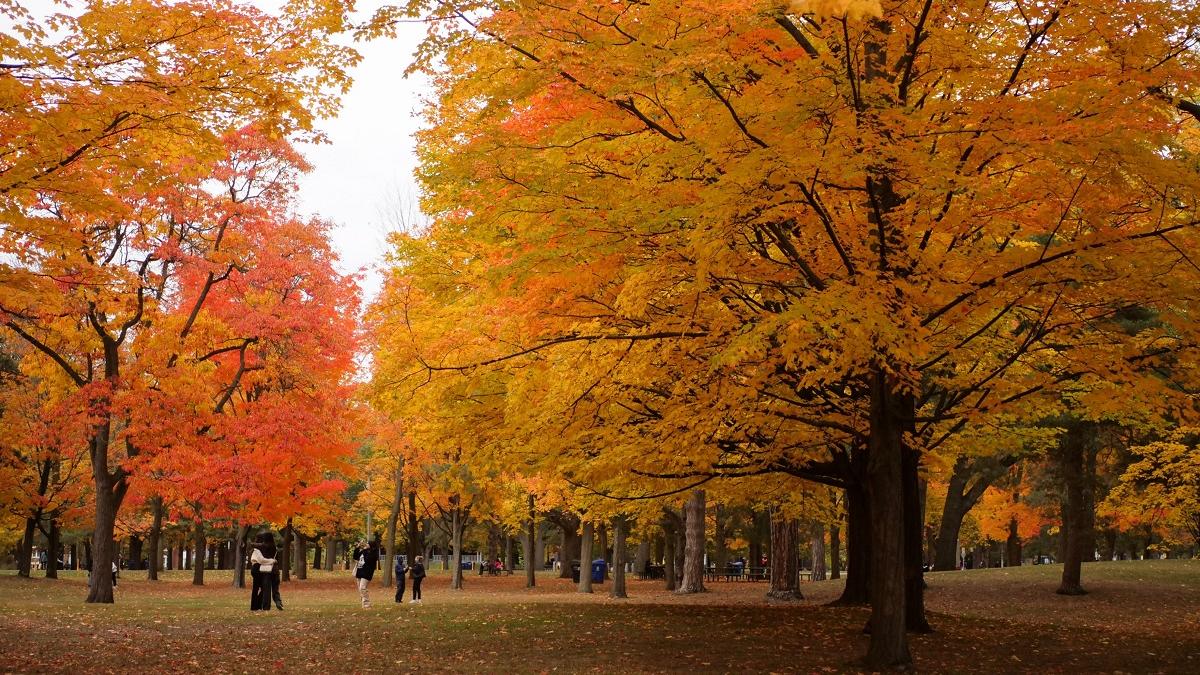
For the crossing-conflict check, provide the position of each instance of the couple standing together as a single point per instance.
(262, 570)
(366, 559)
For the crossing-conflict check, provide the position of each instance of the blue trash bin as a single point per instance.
(466, 564)
(599, 567)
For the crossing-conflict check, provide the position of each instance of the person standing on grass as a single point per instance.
(418, 575)
(400, 570)
(262, 566)
(366, 560)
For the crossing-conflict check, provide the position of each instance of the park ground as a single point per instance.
(1140, 617)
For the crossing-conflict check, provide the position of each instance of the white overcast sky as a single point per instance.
(371, 153)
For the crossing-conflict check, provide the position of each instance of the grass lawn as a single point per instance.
(1141, 616)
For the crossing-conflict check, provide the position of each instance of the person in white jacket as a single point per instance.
(262, 566)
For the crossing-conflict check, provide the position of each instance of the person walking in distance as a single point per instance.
(366, 560)
(418, 575)
(400, 570)
(262, 564)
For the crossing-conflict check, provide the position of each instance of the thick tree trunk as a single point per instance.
(669, 555)
(585, 558)
(330, 550)
(953, 511)
(858, 547)
(285, 552)
(135, 552)
(785, 559)
(300, 559)
(25, 554)
(393, 517)
(239, 556)
(318, 551)
(415, 544)
(680, 550)
(569, 548)
(693, 558)
(914, 540)
(889, 640)
(620, 527)
(1012, 546)
(602, 536)
(530, 551)
(539, 544)
(199, 543)
(720, 539)
(457, 525)
(642, 557)
(835, 551)
(758, 535)
(1071, 463)
(818, 552)
(52, 546)
(108, 500)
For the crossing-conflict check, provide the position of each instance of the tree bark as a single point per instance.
(393, 517)
(785, 559)
(330, 546)
(570, 544)
(1071, 462)
(693, 558)
(914, 544)
(531, 563)
(585, 558)
(620, 526)
(415, 544)
(239, 556)
(818, 552)
(858, 547)
(1012, 546)
(953, 511)
(285, 552)
(835, 551)
(641, 557)
(889, 640)
(539, 544)
(602, 536)
(25, 555)
(199, 543)
(720, 539)
(457, 525)
(135, 553)
(300, 559)
(669, 554)
(109, 493)
(52, 545)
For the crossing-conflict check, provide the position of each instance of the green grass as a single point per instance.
(1139, 617)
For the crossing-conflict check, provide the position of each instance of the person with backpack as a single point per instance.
(366, 559)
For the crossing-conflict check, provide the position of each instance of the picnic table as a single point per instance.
(737, 573)
(652, 572)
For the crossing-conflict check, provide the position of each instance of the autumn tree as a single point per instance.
(109, 109)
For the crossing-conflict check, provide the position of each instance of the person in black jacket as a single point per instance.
(366, 560)
(400, 570)
(418, 575)
(262, 563)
